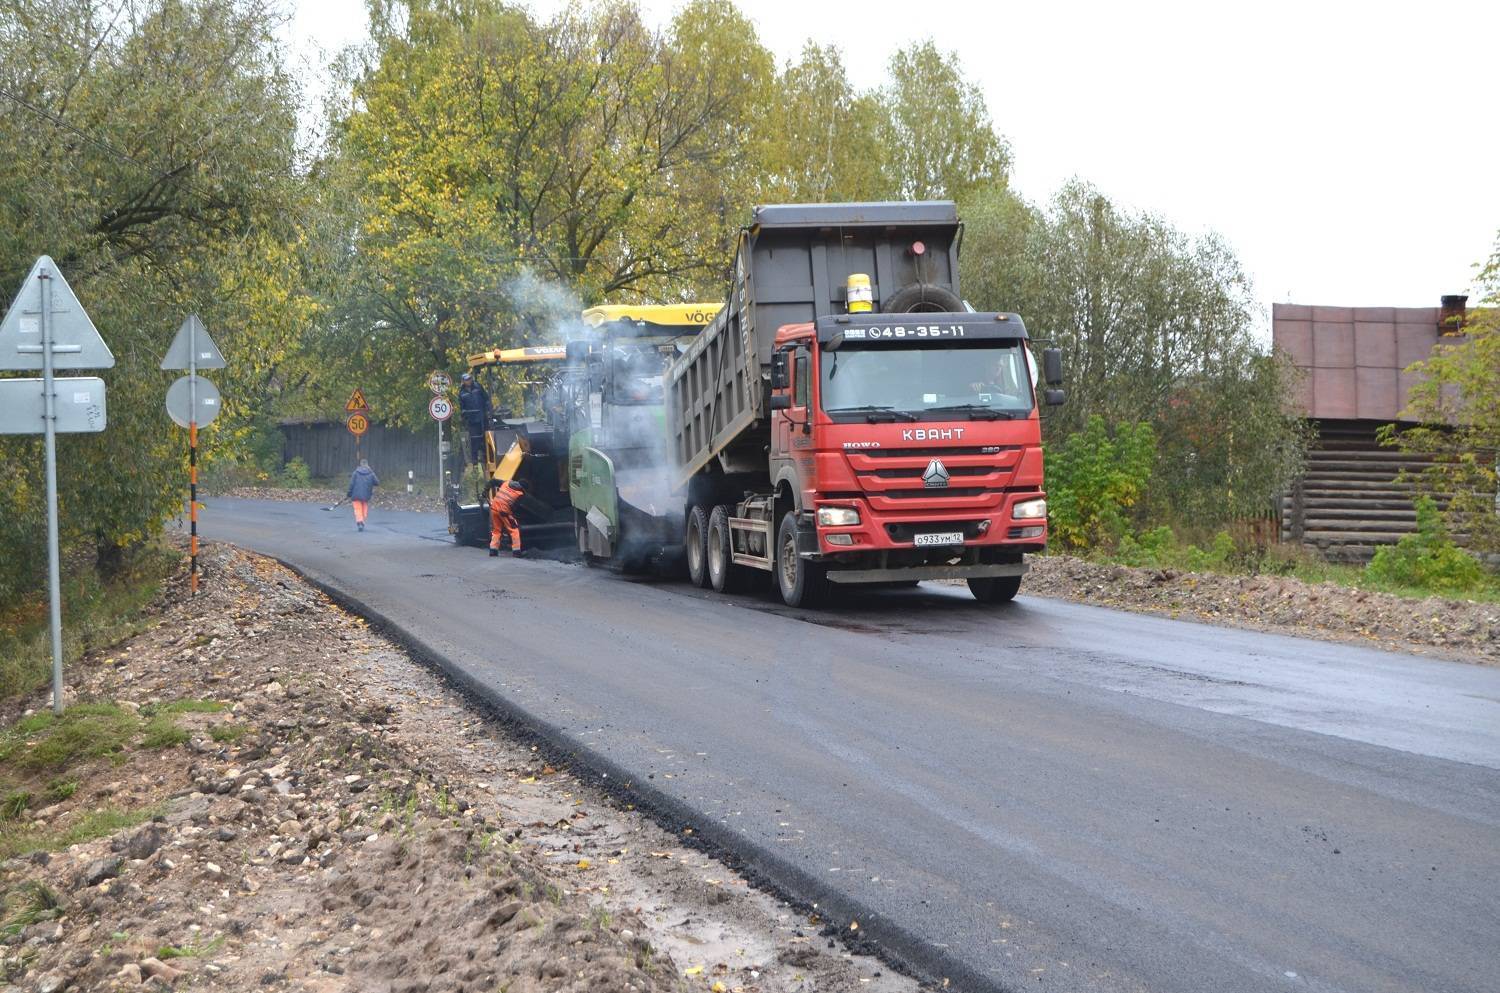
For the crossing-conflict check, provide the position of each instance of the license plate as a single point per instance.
(944, 538)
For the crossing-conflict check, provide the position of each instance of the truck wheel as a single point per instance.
(723, 574)
(922, 298)
(997, 589)
(695, 547)
(802, 583)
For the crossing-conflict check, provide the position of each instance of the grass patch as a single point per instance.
(14, 804)
(225, 733)
(44, 742)
(1161, 548)
(96, 615)
(26, 839)
(162, 732)
(188, 707)
(60, 789)
(28, 904)
(166, 952)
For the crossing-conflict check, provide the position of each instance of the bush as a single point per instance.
(295, 474)
(1427, 560)
(1160, 549)
(1093, 478)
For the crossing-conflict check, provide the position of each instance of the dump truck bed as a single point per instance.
(791, 266)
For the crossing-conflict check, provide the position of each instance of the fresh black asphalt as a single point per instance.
(1041, 796)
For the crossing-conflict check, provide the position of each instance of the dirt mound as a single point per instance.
(1456, 629)
(259, 793)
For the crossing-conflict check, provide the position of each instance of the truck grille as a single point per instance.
(978, 478)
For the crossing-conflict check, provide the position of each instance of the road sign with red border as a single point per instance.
(356, 402)
(439, 382)
(441, 408)
(357, 424)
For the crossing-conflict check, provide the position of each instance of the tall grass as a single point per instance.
(96, 615)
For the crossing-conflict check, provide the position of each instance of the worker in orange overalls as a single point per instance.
(503, 501)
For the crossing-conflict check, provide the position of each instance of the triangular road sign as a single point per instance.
(75, 342)
(356, 401)
(193, 341)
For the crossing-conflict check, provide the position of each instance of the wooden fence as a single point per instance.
(330, 451)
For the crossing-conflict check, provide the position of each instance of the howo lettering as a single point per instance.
(810, 436)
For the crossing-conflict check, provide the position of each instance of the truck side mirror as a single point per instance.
(780, 378)
(1052, 369)
(1055, 397)
(781, 401)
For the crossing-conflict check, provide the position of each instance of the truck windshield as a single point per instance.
(949, 382)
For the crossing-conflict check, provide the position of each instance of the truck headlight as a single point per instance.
(1028, 510)
(837, 517)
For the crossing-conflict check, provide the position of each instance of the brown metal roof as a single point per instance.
(1354, 357)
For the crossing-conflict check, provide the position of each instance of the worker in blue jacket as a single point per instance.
(474, 408)
(361, 488)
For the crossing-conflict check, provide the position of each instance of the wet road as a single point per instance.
(1044, 796)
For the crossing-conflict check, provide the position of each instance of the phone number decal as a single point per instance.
(901, 331)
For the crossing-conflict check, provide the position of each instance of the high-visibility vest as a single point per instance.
(504, 500)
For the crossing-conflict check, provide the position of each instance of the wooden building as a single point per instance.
(1350, 499)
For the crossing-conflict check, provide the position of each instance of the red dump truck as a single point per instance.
(848, 419)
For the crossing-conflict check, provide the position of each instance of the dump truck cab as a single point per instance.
(907, 445)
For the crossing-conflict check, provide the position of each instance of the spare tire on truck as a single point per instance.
(922, 298)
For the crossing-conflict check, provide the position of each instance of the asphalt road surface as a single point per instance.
(1041, 796)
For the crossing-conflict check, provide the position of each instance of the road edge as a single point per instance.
(877, 935)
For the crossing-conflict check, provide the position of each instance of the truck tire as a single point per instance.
(723, 575)
(922, 298)
(802, 583)
(998, 589)
(695, 546)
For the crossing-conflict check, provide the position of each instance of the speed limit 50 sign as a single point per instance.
(441, 408)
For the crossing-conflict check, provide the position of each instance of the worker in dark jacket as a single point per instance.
(361, 488)
(503, 501)
(474, 407)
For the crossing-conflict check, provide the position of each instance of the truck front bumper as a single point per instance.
(883, 531)
(923, 572)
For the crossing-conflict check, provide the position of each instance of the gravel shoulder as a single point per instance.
(1460, 630)
(299, 805)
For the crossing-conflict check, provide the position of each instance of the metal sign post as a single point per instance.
(358, 421)
(439, 382)
(47, 327)
(49, 423)
(193, 401)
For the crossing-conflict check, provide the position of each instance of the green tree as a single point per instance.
(486, 151)
(1155, 326)
(1456, 405)
(938, 140)
(161, 171)
(1094, 478)
(821, 140)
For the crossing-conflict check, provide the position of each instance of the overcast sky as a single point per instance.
(1348, 151)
